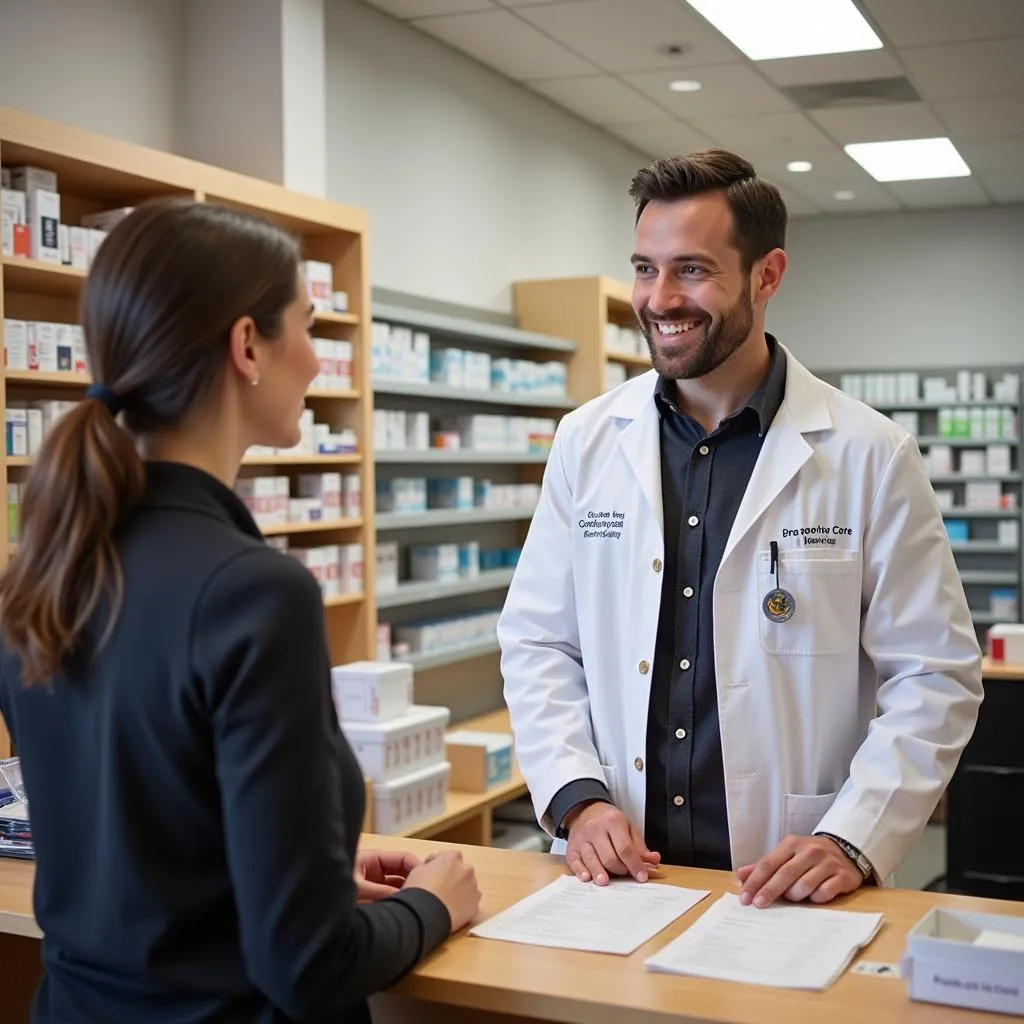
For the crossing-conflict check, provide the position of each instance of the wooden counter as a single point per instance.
(473, 979)
(1002, 670)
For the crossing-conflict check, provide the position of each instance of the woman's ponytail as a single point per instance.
(88, 476)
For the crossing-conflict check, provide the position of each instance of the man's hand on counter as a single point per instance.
(603, 841)
(799, 868)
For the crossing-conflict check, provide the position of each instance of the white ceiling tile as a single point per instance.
(630, 35)
(507, 44)
(410, 9)
(727, 89)
(531, 3)
(1005, 186)
(830, 166)
(961, 70)
(926, 22)
(599, 98)
(661, 138)
(835, 67)
(868, 196)
(1003, 154)
(998, 115)
(881, 123)
(939, 192)
(764, 131)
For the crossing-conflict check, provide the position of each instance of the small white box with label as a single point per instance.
(320, 283)
(408, 743)
(43, 210)
(407, 801)
(371, 691)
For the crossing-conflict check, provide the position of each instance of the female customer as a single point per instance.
(164, 674)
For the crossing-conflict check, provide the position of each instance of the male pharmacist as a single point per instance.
(736, 637)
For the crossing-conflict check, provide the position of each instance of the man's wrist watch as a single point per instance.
(852, 852)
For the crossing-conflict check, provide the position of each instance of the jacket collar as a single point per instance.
(173, 485)
(806, 397)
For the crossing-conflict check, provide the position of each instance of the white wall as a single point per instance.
(111, 66)
(937, 288)
(471, 182)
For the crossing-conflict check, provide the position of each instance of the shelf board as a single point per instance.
(960, 478)
(61, 379)
(39, 278)
(452, 655)
(321, 526)
(983, 547)
(333, 393)
(458, 456)
(449, 517)
(629, 358)
(343, 599)
(485, 334)
(422, 592)
(964, 512)
(302, 460)
(19, 460)
(989, 577)
(325, 317)
(921, 404)
(451, 394)
(965, 442)
(987, 618)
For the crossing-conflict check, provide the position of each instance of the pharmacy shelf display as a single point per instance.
(464, 416)
(63, 188)
(597, 314)
(967, 424)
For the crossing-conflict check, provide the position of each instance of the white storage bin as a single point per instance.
(388, 750)
(407, 801)
(371, 691)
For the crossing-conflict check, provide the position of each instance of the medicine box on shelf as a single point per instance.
(967, 960)
(371, 691)
(405, 802)
(479, 760)
(393, 748)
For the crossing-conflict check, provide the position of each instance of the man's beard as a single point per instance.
(715, 344)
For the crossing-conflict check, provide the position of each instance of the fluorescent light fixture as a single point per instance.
(844, 195)
(766, 30)
(685, 85)
(909, 159)
(799, 166)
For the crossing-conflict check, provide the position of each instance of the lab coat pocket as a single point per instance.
(801, 814)
(818, 609)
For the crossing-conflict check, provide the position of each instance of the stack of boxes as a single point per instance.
(400, 430)
(335, 359)
(44, 346)
(411, 494)
(338, 568)
(315, 439)
(440, 563)
(423, 636)
(399, 745)
(28, 423)
(320, 284)
(627, 340)
(323, 497)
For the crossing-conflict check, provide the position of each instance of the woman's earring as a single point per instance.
(255, 380)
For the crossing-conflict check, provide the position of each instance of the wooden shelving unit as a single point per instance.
(97, 173)
(580, 308)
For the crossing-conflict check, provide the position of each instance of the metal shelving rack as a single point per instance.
(983, 561)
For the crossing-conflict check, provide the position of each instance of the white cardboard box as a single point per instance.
(43, 210)
(967, 960)
(405, 802)
(371, 691)
(409, 743)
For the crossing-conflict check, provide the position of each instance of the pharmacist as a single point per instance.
(736, 637)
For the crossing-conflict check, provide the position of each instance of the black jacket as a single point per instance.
(195, 807)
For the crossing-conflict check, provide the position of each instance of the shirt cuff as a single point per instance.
(574, 793)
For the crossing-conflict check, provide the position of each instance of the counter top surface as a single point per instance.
(1002, 670)
(564, 985)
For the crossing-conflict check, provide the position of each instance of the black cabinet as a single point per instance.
(985, 803)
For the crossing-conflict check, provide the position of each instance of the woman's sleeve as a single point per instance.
(260, 661)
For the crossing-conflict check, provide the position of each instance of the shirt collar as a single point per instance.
(764, 402)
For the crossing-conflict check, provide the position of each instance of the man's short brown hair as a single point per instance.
(758, 209)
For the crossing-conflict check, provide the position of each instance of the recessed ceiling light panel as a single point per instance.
(790, 28)
(909, 159)
(844, 195)
(799, 166)
(685, 85)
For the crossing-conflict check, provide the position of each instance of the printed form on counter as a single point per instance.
(570, 914)
(782, 946)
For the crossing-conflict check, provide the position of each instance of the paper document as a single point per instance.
(785, 946)
(570, 914)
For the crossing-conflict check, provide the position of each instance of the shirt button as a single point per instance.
(687, 591)
(656, 565)
(678, 801)
(680, 734)
(644, 666)
(704, 449)
(693, 520)
(684, 664)
(638, 764)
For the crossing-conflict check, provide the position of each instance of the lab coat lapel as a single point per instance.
(640, 440)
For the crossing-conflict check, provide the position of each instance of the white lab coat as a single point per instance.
(849, 717)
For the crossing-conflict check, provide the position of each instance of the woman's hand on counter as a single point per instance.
(381, 873)
(453, 882)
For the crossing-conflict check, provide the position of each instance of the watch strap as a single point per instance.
(851, 851)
